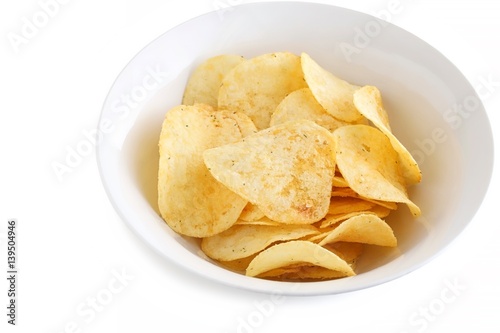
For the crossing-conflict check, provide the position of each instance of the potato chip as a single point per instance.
(256, 86)
(368, 101)
(241, 241)
(331, 92)
(282, 273)
(347, 192)
(297, 252)
(302, 273)
(301, 104)
(339, 181)
(190, 200)
(251, 212)
(363, 228)
(323, 232)
(262, 221)
(285, 170)
(245, 124)
(340, 205)
(347, 251)
(331, 220)
(238, 265)
(370, 165)
(203, 84)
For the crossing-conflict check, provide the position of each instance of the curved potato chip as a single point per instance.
(339, 181)
(302, 273)
(241, 241)
(368, 101)
(297, 252)
(251, 213)
(370, 165)
(348, 251)
(281, 273)
(331, 220)
(259, 84)
(203, 84)
(324, 231)
(190, 200)
(363, 228)
(262, 221)
(285, 170)
(238, 265)
(331, 92)
(301, 104)
(245, 124)
(340, 205)
(347, 192)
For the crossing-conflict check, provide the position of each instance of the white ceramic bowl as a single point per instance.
(422, 91)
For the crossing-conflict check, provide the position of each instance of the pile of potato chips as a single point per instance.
(283, 170)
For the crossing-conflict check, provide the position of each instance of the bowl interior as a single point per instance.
(433, 110)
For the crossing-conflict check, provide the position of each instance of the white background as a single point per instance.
(72, 244)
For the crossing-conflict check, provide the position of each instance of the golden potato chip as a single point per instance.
(331, 92)
(363, 228)
(240, 241)
(331, 220)
(285, 170)
(190, 200)
(301, 104)
(340, 205)
(281, 273)
(323, 232)
(368, 101)
(370, 165)
(347, 251)
(238, 265)
(251, 212)
(262, 221)
(345, 192)
(297, 252)
(203, 84)
(245, 124)
(302, 273)
(256, 86)
(339, 181)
